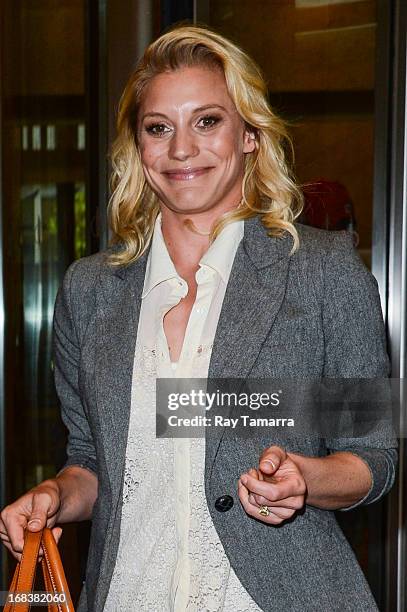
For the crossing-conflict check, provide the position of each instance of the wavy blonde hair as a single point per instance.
(268, 187)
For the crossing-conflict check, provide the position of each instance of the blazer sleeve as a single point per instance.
(66, 357)
(355, 347)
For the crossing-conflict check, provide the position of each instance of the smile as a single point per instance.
(186, 174)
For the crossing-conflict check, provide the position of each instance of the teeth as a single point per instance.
(186, 174)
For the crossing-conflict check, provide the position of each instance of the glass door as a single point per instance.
(47, 223)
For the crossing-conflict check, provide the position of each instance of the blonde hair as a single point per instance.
(268, 187)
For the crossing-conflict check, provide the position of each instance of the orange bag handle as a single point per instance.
(52, 569)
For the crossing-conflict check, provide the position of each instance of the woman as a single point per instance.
(208, 275)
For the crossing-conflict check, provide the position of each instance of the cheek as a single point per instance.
(228, 146)
(151, 153)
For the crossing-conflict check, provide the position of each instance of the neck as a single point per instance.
(186, 246)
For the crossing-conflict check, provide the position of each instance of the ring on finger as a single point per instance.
(264, 510)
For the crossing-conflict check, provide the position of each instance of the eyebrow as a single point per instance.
(200, 109)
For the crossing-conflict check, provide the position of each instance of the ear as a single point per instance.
(249, 141)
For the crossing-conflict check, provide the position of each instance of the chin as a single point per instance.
(188, 208)
(188, 205)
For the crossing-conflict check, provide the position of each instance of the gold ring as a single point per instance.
(264, 511)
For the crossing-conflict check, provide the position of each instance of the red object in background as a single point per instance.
(327, 205)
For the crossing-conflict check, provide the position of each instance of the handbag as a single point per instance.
(56, 596)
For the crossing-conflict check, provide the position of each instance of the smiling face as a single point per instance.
(192, 141)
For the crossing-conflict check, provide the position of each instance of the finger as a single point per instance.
(15, 527)
(271, 459)
(57, 532)
(282, 513)
(295, 503)
(3, 530)
(255, 474)
(251, 472)
(41, 507)
(253, 500)
(3, 533)
(243, 493)
(253, 511)
(15, 554)
(4, 537)
(289, 487)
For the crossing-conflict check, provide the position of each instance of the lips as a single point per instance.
(186, 174)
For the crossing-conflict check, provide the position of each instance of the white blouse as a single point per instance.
(170, 558)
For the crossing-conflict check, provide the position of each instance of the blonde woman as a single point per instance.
(208, 275)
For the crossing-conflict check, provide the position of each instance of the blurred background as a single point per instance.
(336, 70)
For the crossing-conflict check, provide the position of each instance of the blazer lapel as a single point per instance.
(118, 309)
(252, 301)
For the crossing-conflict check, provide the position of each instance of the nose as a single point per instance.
(183, 145)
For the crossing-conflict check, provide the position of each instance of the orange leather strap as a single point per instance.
(54, 575)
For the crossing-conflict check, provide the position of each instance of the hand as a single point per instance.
(277, 483)
(33, 511)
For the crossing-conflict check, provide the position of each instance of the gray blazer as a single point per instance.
(315, 313)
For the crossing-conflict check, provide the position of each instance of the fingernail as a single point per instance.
(244, 480)
(33, 522)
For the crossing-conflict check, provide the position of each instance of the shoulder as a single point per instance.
(84, 273)
(322, 243)
(328, 264)
(332, 252)
(345, 280)
(76, 296)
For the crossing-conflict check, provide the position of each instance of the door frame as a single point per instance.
(389, 259)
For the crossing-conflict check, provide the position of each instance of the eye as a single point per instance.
(208, 122)
(157, 129)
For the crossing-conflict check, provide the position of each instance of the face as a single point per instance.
(192, 141)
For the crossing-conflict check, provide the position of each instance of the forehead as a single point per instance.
(187, 88)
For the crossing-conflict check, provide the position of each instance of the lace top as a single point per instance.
(170, 557)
